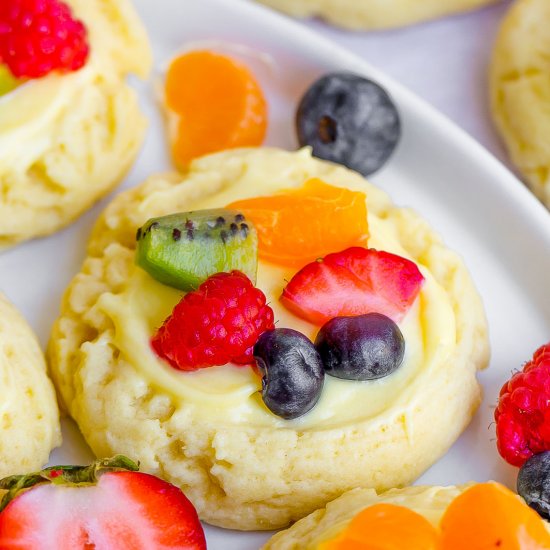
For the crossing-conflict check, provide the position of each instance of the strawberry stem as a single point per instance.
(64, 475)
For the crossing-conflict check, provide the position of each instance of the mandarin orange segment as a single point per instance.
(386, 527)
(301, 225)
(214, 103)
(488, 516)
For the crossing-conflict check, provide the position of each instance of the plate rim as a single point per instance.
(504, 183)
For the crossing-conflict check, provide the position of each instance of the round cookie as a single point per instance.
(429, 501)
(209, 432)
(520, 91)
(325, 523)
(30, 418)
(374, 14)
(67, 139)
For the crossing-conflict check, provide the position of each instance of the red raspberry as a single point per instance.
(40, 36)
(216, 324)
(523, 412)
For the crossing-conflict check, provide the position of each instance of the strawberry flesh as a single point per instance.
(352, 282)
(124, 511)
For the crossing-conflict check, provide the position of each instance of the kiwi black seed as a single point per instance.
(182, 250)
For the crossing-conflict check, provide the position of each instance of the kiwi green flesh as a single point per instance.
(7, 81)
(182, 250)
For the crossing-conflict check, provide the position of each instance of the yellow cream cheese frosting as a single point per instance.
(232, 392)
(67, 139)
(209, 431)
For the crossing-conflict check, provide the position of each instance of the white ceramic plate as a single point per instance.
(477, 205)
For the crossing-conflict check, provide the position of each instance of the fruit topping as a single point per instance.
(386, 527)
(523, 412)
(7, 81)
(292, 372)
(488, 516)
(214, 103)
(353, 282)
(41, 36)
(485, 516)
(534, 483)
(216, 324)
(350, 120)
(106, 505)
(365, 347)
(183, 250)
(304, 224)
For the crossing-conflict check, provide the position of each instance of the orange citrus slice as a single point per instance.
(214, 103)
(301, 225)
(386, 527)
(488, 516)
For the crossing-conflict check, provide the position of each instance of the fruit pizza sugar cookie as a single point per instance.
(520, 91)
(29, 416)
(374, 14)
(70, 126)
(266, 331)
(475, 516)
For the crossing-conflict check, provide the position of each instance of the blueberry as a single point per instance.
(365, 347)
(534, 483)
(350, 120)
(292, 372)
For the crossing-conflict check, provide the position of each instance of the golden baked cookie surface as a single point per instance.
(29, 419)
(208, 432)
(374, 14)
(520, 91)
(66, 140)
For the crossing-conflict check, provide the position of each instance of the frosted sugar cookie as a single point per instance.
(475, 516)
(70, 126)
(520, 91)
(129, 364)
(29, 418)
(374, 14)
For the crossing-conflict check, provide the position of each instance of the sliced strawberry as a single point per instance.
(353, 282)
(124, 510)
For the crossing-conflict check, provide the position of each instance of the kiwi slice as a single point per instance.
(182, 250)
(7, 81)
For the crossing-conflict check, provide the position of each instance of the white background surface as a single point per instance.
(460, 189)
(444, 62)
